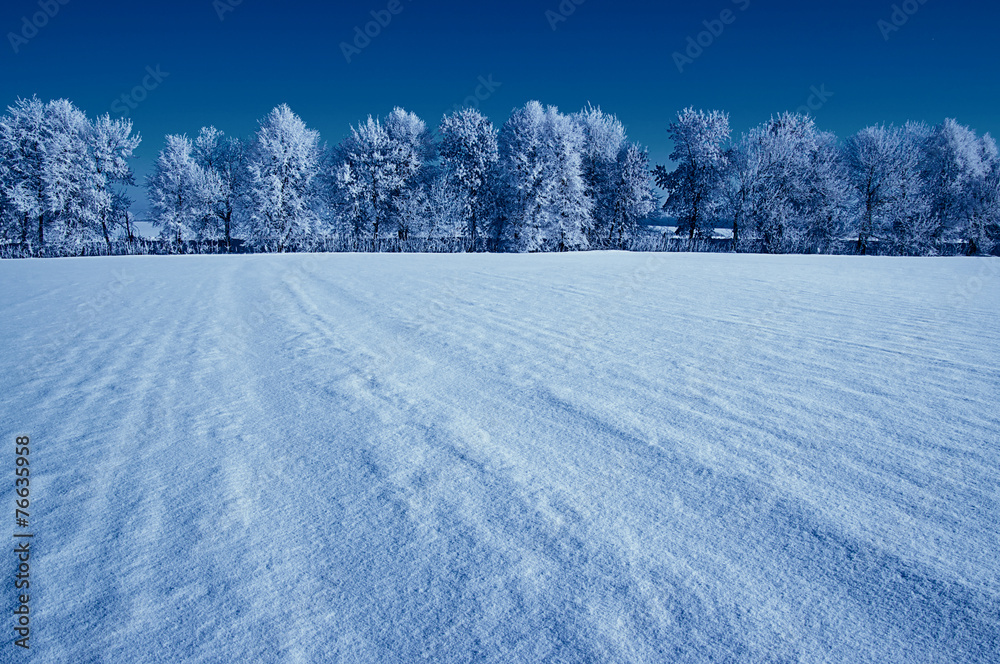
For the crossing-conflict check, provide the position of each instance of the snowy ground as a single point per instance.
(555, 458)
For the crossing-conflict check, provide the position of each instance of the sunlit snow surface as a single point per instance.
(594, 457)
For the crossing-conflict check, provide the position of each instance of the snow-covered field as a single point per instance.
(595, 457)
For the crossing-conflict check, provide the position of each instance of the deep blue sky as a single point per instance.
(613, 53)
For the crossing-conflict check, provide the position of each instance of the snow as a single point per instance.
(547, 458)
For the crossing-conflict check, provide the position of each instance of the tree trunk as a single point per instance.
(128, 228)
(284, 239)
(107, 236)
(695, 216)
(474, 232)
(867, 222)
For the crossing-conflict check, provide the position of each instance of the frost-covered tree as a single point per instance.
(873, 156)
(522, 171)
(783, 185)
(617, 179)
(9, 217)
(413, 212)
(177, 190)
(547, 206)
(61, 173)
(122, 205)
(11, 221)
(885, 166)
(283, 188)
(981, 230)
(22, 136)
(742, 189)
(414, 154)
(912, 226)
(112, 145)
(752, 193)
(224, 161)
(831, 202)
(360, 170)
(376, 169)
(694, 188)
(567, 221)
(68, 176)
(631, 196)
(953, 167)
(445, 213)
(604, 140)
(959, 172)
(469, 158)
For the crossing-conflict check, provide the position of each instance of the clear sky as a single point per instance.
(765, 57)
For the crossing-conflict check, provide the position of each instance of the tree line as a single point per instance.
(543, 181)
(786, 186)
